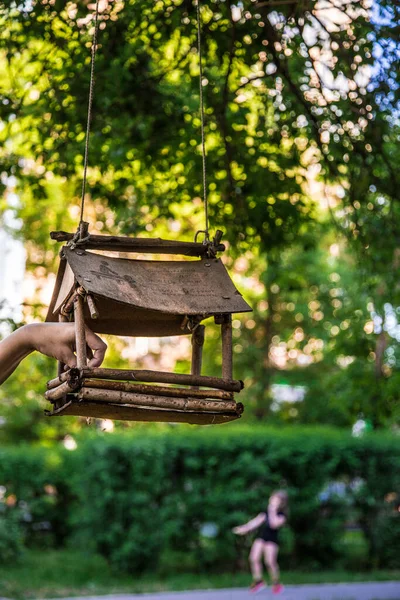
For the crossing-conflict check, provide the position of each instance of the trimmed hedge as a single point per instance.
(169, 500)
(11, 536)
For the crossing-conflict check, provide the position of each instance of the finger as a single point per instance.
(97, 346)
(68, 358)
(97, 359)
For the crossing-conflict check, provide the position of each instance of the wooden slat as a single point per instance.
(148, 376)
(174, 287)
(61, 365)
(197, 349)
(142, 245)
(72, 375)
(80, 334)
(227, 352)
(129, 413)
(158, 390)
(158, 402)
(163, 377)
(59, 392)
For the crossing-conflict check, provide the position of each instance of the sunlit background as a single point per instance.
(302, 142)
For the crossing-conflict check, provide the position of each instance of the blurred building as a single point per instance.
(12, 263)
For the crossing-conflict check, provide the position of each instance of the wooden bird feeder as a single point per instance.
(130, 297)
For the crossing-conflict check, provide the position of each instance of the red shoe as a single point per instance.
(277, 588)
(257, 586)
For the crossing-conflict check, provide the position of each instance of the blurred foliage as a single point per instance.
(389, 531)
(138, 499)
(11, 536)
(302, 152)
(285, 86)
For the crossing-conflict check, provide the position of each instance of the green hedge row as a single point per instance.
(169, 500)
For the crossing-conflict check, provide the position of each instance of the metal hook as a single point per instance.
(206, 236)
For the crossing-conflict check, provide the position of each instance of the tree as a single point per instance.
(288, 88)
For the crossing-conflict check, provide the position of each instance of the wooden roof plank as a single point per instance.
(100, 410)
(196, 287)
(142, 245)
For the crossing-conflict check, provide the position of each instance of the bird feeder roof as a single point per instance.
(146, 297)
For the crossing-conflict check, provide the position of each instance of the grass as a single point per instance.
(52, 574)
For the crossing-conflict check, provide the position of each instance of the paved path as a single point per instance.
(385, 590)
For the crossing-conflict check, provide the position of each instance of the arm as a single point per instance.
(250, 525)
(56, 340)
(275, 520)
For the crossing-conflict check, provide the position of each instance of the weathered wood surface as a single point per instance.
(94, 313)
(59, 392)
(164, 377)
(74, 375)
(145, 297)
(179, 287)
(227, 350)
(61, 365)
(160, 402)
(148, 376)
(99, 410)
(80, 336)
(68, 305)
(158, 390)
(197, 349)
(141, 245)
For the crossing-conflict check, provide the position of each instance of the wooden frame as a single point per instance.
(73, 392)
(143, 395)
(142, 245)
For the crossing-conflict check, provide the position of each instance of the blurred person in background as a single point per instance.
(266, 544)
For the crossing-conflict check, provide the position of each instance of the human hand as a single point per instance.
(238, 530)
(57, 340)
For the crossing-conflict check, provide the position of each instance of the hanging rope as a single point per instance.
(90, 103)
(89, 116)
(203, 144)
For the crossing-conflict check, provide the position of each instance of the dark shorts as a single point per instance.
(269, 535)
(269, 541)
